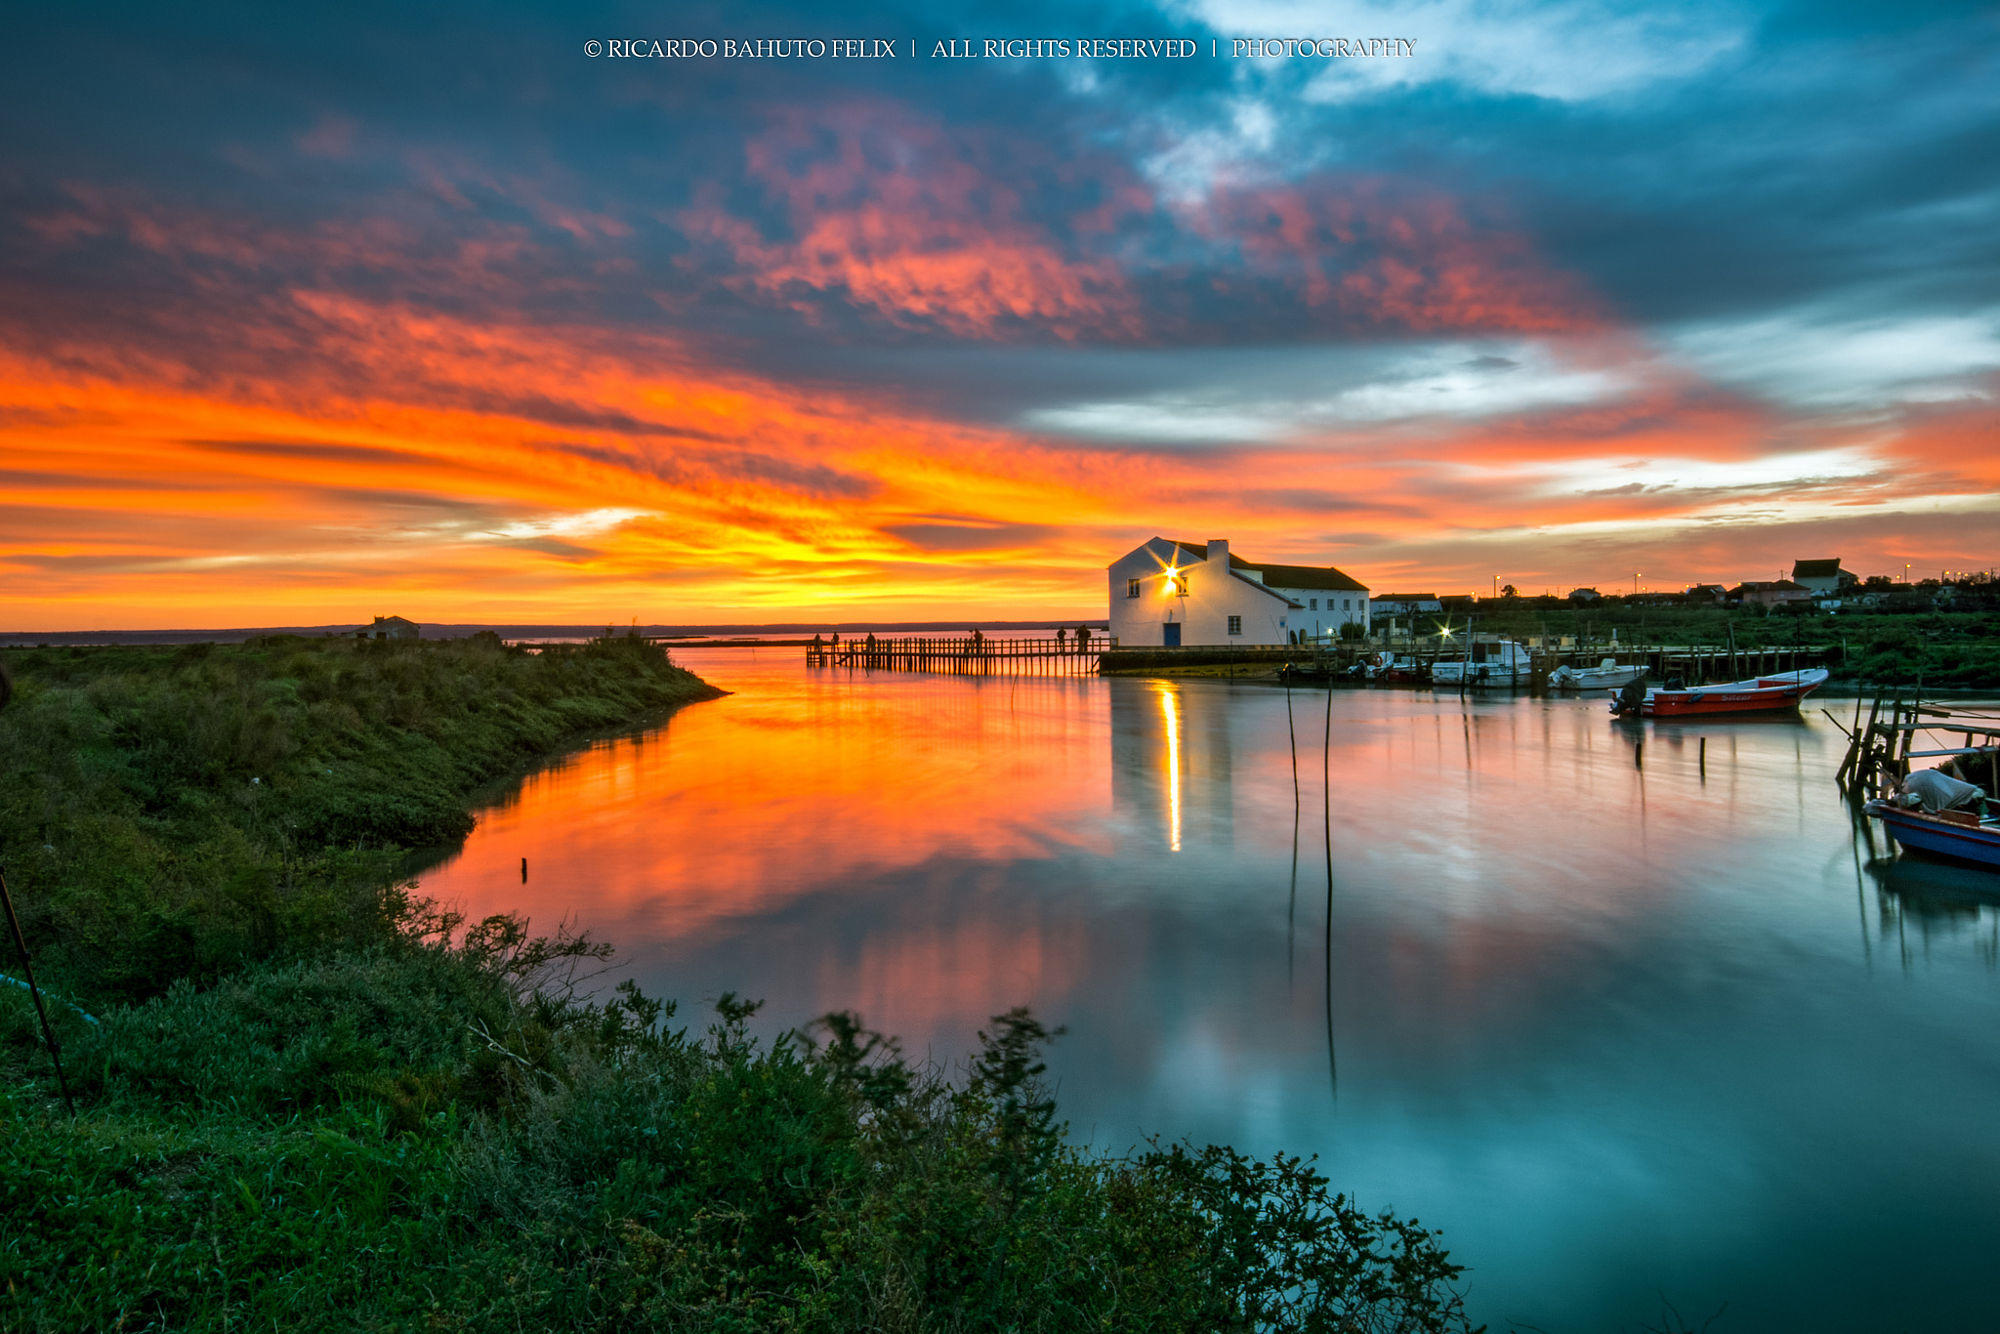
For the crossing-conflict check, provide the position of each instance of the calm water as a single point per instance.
(1619, 1029)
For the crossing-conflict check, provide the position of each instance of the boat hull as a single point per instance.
(1916, 831)
(1451, 674)
(1770, 694)
(1595, 678)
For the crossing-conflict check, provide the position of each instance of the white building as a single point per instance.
(1822, 578)
(1406, 604)
(1171, 594)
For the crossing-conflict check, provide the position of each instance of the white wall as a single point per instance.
(1330, 614)
(1213, 595)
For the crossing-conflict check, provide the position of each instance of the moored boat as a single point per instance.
(1759, 694)
(1960, 835)
(1497, 662)
(1397, 669)
(1607, 675)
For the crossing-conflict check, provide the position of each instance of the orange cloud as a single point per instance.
(284, 443)
(886, 210)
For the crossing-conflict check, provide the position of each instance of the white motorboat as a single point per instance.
(1487, 662)
(1607, 675)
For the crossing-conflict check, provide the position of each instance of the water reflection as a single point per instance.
(1591, 996)
(1170, 710)
(1940, 901)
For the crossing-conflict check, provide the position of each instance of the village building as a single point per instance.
(1581, 595)
(390, 627)
(1405, 604)
(1769, 593)
(1169, 594)
(1822, 578)
(1710, 593)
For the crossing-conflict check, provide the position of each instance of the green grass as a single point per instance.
(416, 1137)
(171, 813)
(309, 1102)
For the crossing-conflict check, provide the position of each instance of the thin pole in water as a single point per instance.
(1291, 733)
(1326, 793)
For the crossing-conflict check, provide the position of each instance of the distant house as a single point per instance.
(1707, 593)
(1822, 578)
(1769, 593)
(390, 627)
(1405, 604)
(1165, 593)
(1585, 595)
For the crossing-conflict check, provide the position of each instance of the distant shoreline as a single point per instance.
(776, 634)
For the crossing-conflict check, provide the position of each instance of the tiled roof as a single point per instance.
(1286, 576)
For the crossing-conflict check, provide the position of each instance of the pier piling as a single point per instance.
(970, 655)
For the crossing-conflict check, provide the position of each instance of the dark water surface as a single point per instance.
(1619, 1029)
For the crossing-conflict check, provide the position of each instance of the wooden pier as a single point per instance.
(1880, 749)
(962, 655)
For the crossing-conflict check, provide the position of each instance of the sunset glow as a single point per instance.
(540, 337)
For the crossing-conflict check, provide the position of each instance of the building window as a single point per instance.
(1315, 604)
(1236, 625)
(1131, 588)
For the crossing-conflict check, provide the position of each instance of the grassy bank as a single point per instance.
(171, 813)
(307, 1102)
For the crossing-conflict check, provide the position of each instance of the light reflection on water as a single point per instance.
(1619, 1027)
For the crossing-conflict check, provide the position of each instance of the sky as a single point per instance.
(308, 316)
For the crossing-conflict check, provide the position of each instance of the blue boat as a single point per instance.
(1954, 834)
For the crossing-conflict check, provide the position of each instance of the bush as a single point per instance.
(336, 1144)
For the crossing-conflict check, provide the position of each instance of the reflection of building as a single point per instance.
(1171, 761)
(1169, 594)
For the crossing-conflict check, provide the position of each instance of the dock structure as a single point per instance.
(962, 655)
(1880, 749)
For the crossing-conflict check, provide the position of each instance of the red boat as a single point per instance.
(1761, 694)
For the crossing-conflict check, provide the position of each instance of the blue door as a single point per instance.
(1171, 634)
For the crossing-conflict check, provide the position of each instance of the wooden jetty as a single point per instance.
(962, 655)
(1880, 749)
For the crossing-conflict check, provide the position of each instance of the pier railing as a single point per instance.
(963, 655)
